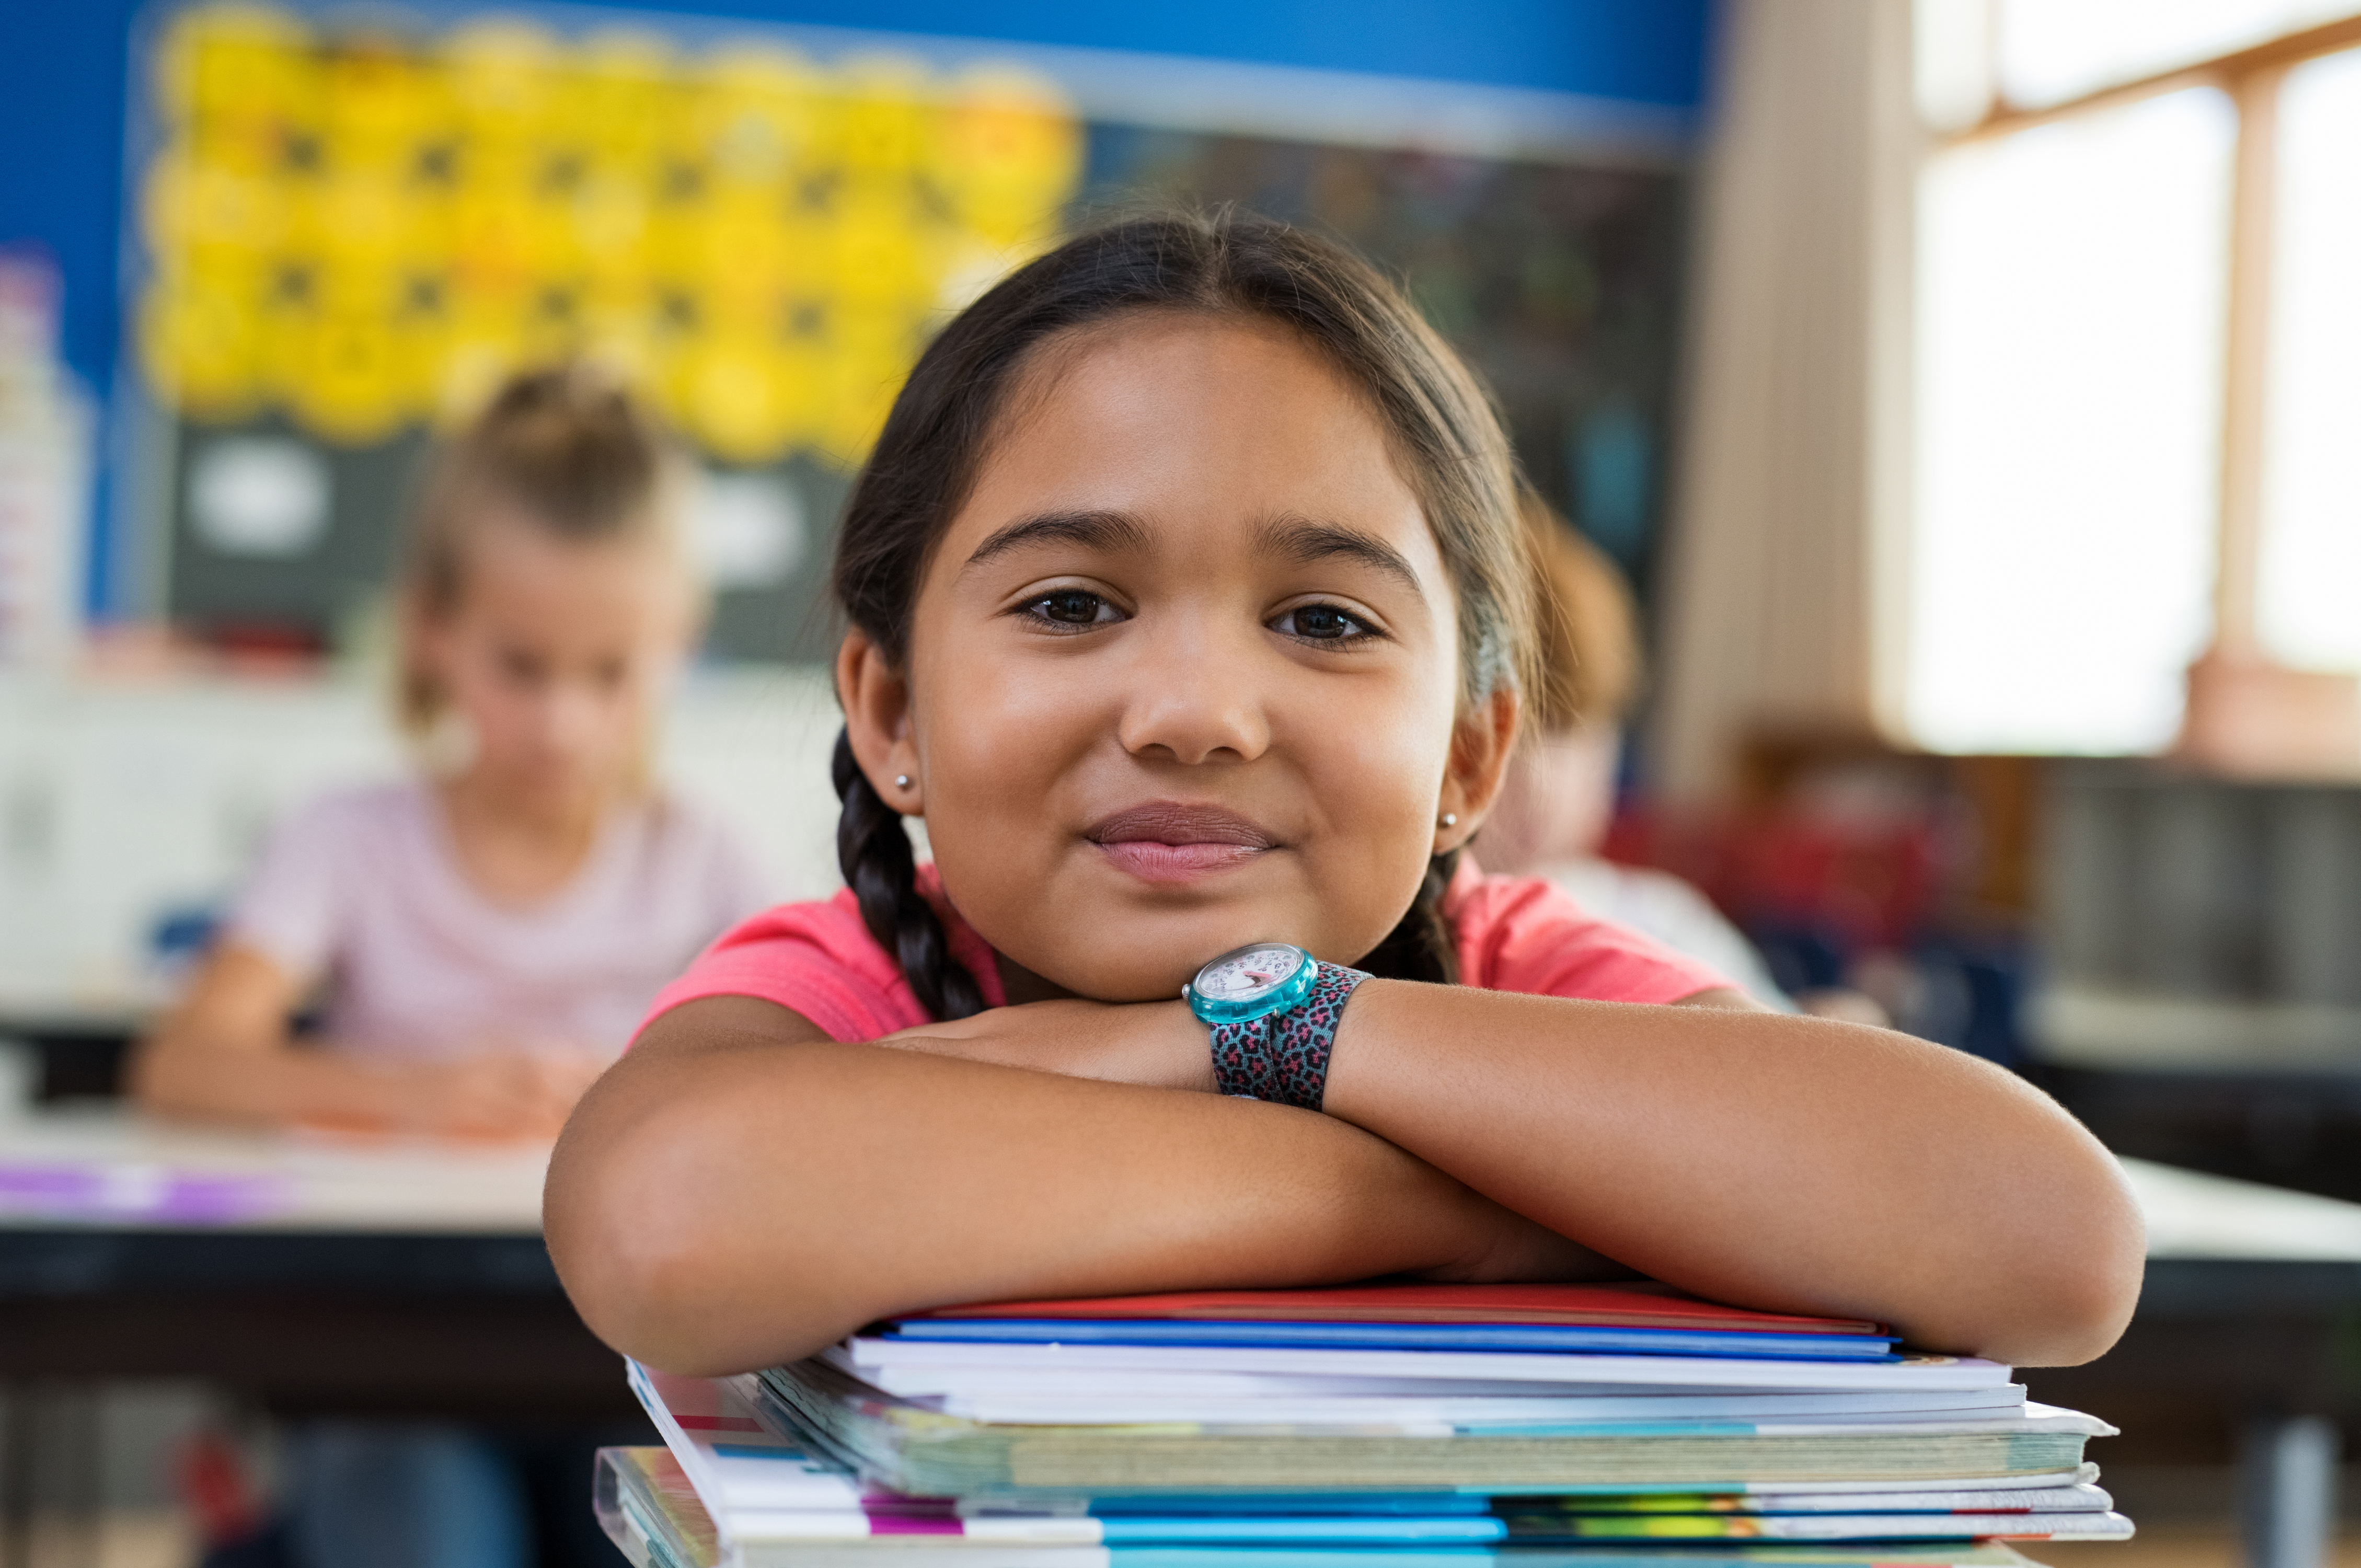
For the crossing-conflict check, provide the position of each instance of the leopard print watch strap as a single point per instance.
(1283, 1057)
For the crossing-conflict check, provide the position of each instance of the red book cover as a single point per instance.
(1634, 1306)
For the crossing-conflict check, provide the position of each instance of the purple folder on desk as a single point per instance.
(136, 1195)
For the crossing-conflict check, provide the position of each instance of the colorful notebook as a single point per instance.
(1546, 1337)
(649, 1508)
(904, 1446)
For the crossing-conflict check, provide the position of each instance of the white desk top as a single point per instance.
(2193, 1215)
(105, 1167)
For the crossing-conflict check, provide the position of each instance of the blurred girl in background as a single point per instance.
(482, 938)
(1558, 800)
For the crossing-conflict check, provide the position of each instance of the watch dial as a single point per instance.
(1244, 975)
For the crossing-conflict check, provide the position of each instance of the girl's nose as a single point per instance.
(1197, 697)
(571, 717)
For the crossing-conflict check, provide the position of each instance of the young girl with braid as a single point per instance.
(1188, 606)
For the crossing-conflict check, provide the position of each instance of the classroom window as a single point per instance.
(2071, 295)
(2052, 51)
(2309, 590)
(2138, 427)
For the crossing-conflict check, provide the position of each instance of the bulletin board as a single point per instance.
(351, 226)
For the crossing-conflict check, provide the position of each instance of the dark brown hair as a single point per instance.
(1447, 441)
(565, 449)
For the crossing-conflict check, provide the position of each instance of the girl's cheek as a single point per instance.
(980, 719)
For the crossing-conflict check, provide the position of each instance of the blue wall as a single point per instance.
(63, 72)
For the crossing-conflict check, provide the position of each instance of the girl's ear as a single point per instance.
(877, 719)
(1480, 746)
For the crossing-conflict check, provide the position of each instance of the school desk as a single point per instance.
(314, 1270)
(324, 1275)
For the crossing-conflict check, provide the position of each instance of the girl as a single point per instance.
(1188, 607)
(488, 937)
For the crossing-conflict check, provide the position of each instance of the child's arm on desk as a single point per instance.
(224, 1054)
(1790, 1164)
(740, 1191)
(721, 1201)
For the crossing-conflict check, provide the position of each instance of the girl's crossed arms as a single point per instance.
(1187, 606)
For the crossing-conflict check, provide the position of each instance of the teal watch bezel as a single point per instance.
(1287, 993)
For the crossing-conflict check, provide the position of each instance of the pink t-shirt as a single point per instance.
(362, 890)
(1518, 933)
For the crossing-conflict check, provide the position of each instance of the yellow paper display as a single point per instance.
(365, 231)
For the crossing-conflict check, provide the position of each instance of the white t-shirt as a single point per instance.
(363, 889)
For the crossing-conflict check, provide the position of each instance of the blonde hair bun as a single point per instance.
(567, 449)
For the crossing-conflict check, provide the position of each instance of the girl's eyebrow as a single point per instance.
(1291, 537)
(1111, 533)
(1305, 540)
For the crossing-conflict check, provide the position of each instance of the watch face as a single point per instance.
(1249, 972)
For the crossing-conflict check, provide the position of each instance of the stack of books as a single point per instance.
(1402, 1424)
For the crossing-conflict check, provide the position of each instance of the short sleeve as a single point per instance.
(290, 910)
(819, 960)
(813, 958)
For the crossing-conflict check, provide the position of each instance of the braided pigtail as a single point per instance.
(874, 850)
(1422, 946)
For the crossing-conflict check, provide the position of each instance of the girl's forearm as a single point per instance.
(274, 1085)
(1784, 1163)
(713, 1208)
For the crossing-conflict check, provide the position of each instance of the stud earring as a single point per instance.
(901, 781)
(1451, 819)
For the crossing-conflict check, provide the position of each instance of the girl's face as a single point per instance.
(1182, 672)
(557, 655)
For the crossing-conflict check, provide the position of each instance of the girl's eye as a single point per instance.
(1322, 624)
(1074, 606)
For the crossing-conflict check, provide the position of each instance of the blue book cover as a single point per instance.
(1543, 1337)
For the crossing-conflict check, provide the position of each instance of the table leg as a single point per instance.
(81, 1481)
(16, 1475)
(2287, 1481)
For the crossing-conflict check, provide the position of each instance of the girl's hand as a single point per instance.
(500, 1094)
(1158, 1044)
(1503, 1247)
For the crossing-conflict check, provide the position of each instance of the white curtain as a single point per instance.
(1786, 574)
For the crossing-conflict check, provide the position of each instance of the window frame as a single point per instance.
(2251, 78)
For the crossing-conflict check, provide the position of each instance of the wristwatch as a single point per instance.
(1273, 1009)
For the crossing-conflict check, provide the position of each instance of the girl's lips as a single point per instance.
(1167, 840)
(1151, 861)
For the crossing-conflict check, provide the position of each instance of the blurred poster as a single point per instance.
(351, 226)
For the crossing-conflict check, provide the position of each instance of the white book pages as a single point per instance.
(979, 1382)
(1095, 1409)
(2034, 1418)
(699, 1418)
(914, 1360)
(2083, 1474)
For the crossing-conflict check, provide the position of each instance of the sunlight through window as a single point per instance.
(2308, 605)
(2070, 310)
